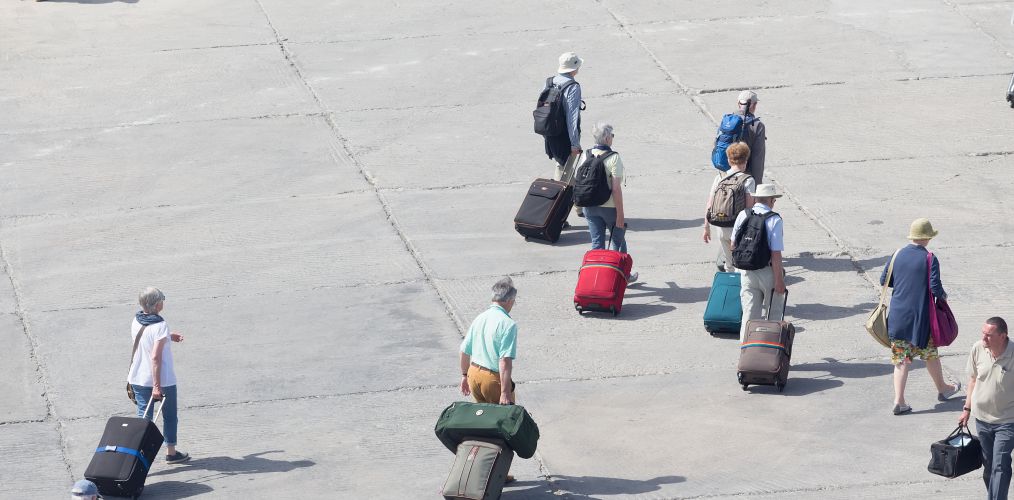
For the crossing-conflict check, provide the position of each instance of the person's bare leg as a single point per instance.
(936, 372)
(900, 379)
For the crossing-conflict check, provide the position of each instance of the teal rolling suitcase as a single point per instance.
(724, 311)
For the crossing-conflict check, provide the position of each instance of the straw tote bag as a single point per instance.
(876, 325)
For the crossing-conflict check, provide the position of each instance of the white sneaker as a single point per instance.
(633, 277)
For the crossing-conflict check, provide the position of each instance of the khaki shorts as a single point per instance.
(904, 350)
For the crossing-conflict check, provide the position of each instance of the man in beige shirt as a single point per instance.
(991, 400)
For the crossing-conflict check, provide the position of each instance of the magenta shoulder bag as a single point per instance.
(943, 327)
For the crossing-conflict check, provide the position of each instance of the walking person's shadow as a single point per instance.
(253, 463)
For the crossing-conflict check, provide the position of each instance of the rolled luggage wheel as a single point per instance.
(614, 311)
(780, 386)
(577, 307)
(745, 386)
(138, 494)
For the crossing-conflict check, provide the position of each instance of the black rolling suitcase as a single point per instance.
(544, 210)
(125, 453)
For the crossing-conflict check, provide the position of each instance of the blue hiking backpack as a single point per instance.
(734, 128)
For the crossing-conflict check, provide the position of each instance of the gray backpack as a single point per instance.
(728, 200)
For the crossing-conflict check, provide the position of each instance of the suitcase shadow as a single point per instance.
(587, 487)
(671, 293)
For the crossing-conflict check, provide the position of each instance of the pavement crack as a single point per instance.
(346, 152)
(42, 373)
(999, 46)
(671, 76)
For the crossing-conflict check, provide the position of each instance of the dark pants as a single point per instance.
(558, 148)
(997, 442)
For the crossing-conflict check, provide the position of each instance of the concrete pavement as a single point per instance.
(325, 190)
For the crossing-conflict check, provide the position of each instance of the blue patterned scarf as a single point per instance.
(147, 319)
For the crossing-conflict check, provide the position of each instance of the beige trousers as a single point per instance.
(755, 292)
(725, 244)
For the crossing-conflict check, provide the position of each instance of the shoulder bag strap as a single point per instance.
(887, 279)
(133, 351)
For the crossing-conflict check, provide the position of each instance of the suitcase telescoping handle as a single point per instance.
(785, 303)
(160, 405)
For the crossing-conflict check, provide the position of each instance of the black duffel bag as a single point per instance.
(956, 455)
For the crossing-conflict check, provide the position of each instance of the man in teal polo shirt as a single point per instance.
(488, 351)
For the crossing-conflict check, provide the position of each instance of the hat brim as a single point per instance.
(565, 69)
(923, 236)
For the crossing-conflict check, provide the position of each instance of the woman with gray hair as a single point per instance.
(152, 375)
(608, 215)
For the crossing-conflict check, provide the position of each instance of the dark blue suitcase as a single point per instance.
(724, 312)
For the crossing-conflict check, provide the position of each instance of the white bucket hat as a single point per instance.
(569, 62)
(766, 191)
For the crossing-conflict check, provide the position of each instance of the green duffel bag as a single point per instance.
(511, 423)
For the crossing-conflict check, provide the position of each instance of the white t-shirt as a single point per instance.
(140, 366)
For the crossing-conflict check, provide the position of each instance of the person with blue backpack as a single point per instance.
(742, 126)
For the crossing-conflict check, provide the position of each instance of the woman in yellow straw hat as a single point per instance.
(908, 323)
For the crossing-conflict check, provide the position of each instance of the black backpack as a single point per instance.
(752, 251)
(591, 184)
(550, 119)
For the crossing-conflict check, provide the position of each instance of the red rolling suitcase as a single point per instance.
(602, 281)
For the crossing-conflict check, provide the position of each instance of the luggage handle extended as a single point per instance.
(785, 303)
(157, 413)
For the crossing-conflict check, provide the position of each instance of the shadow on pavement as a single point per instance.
(838, 369)
(824, 311)
(253, 463)
(951, 405)
(173, 489)
(671, 293)
(637, 225)
(587, 487)
(631, 312)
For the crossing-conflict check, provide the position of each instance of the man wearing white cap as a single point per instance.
(566, 148)
(757, 244)
(756, 134)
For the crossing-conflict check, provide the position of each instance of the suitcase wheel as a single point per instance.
(139, 491)
(745, 386)
(578, 308)
(614, 311)
(781, 387)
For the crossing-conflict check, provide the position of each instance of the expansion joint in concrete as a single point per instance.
(846, 250)
(683, 89)
(350, 155)
(33, 354)
(996, 41)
